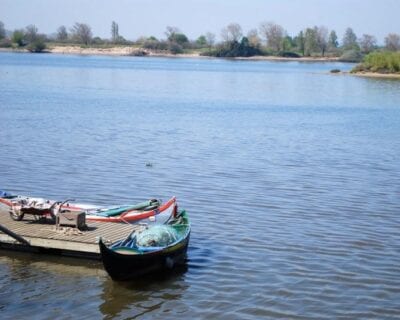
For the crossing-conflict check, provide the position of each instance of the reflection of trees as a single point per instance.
(142, 296)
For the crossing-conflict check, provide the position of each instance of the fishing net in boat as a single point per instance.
(157, 236)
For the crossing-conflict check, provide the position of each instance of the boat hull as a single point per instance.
(132, 266)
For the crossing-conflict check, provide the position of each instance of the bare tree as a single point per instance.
(322, 39)
(232, 32)
(210, 38)
(367, 43)
(81, 33)
(62, 34)
(171, 31)
(392, 42)
(31, 33)
(114, 32)
(253, 37)
(2, 30)
(273, 34)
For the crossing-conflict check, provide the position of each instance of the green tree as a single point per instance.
(350, 40)
(300, 42)
(287, 43)
(310, 42)
(37, 45)
(18, 38)
(235, 49)
(333, 42)
(201, 41)
(114, 32)
(178, 38)
(2, 30)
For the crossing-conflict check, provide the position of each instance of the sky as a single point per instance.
(195, 17)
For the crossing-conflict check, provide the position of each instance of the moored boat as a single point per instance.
(155, 248)
(151, 209)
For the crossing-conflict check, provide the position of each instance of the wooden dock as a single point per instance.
(43, 236)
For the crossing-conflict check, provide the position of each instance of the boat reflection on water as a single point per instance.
(150, 293)
(75, 287)
(32, 264)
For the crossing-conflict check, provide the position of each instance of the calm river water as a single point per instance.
(291, 177)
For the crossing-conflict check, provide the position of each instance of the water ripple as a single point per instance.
(290, 177)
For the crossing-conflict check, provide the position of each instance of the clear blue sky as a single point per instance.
(194, 17)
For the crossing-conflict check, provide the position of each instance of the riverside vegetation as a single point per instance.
(270, 40)
(380, 62)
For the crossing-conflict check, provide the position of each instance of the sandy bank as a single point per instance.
(132, 51)
(376, 75)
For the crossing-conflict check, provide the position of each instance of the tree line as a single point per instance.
(268, 39)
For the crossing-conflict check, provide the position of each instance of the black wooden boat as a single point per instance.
(156, 248)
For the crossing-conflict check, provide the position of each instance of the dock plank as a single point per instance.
(44, 235)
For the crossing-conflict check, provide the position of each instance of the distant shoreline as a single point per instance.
(129, 51)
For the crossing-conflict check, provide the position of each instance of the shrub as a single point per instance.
(37, 46)
(138, 53)
(351, 56)
(288, 54)
(175, 48)
(154, 44)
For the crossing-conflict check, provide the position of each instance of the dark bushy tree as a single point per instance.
(2, 31)
(235, 49)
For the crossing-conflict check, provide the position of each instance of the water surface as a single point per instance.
(291, 177)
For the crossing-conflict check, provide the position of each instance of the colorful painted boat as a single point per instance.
(128, 213)
(153, 249)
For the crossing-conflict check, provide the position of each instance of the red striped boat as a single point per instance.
(152, 209)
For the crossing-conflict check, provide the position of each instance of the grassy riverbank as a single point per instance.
(379, 64)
